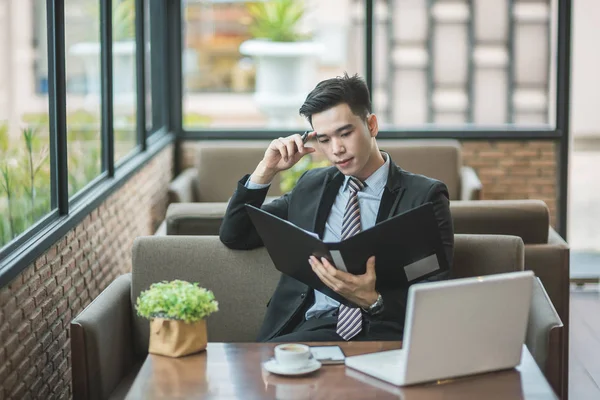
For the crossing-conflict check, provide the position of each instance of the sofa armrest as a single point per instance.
(195, 218)
(101, 342)
(555, 239)
(183, 188)
(470, 185)
(162, 229)
(543, 336)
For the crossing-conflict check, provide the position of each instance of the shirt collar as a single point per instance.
(376, 182)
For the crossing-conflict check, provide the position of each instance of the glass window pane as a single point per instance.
(456, 63)
(24, 135)
(82, 44)
(124, 77)
(230, 82)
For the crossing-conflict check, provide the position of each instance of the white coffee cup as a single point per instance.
(292, 355)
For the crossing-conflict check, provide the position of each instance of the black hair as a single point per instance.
(329, 93)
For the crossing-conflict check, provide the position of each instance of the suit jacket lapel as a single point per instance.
(391, 194)
(331, 186)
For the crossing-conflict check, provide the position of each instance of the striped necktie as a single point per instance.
(349, 322)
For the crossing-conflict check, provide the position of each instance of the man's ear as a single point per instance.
(373, 125)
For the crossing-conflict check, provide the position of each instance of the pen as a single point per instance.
(305, 136)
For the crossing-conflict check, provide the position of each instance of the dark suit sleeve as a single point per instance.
(395, 300)
(237, 230)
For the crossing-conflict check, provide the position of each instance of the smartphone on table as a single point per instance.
(328, 354)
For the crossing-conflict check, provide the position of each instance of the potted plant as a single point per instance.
(177, 311)
(286, 60)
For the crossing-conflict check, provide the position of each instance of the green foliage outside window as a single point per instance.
(25, 164)
(290, 177)
(25, 190)
(24, 181)
(123, 12)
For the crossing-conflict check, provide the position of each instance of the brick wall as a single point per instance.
(38, 305)
(515, 170)
(507, 169)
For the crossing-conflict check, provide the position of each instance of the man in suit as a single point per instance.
(363, 178)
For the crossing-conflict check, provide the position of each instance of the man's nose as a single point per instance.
(337, 146)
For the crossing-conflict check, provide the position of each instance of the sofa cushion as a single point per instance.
(528, 219)
(438, 159)
(195, 218)
(221, 164)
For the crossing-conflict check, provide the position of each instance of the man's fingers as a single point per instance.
(279, 143)
(321, 273)
(331, 270)
(341, 277)
(371, 266)
(297, 139)
(291, 147)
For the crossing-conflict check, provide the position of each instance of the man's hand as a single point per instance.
(359, 289)
(282, 154)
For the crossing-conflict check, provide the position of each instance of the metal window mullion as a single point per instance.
(158, 39)
(59, 178)
(174, 49)
(510, 70)
(174, 52)
(563, 73)
(391, 67)
(140, 54)
(431, 60)
(369, 46)
(471, 63)
(106, 78)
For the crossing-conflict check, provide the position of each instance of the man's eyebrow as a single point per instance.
(337, 131)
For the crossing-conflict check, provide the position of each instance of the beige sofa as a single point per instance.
(198, 196)
(109, 342)
(440, 159)
(218, 165)
(546, 253)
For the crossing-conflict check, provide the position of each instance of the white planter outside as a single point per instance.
(285, 73)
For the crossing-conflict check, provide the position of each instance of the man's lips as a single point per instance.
(344, 161)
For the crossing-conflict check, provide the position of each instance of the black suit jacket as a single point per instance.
(308, 206)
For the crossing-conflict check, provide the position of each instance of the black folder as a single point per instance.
(407, 249)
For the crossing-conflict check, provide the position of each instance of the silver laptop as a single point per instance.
(455, 328)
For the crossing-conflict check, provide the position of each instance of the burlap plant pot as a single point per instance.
(173, 338)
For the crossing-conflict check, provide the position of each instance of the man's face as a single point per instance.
(347, 140)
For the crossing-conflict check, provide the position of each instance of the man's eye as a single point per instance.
(323, 140)
(346, 134)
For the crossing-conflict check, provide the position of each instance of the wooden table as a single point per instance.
(233, 371)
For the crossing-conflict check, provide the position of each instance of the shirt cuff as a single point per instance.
(251, 185)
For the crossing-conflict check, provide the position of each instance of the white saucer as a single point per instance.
(275, 368)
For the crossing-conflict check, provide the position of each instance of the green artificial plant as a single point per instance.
(177, 300)
(276, 20)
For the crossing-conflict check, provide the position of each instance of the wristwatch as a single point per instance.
(375, 308)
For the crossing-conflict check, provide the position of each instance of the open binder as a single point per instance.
(407, 248)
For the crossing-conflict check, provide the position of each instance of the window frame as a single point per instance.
(66, 213)
(558, 133)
